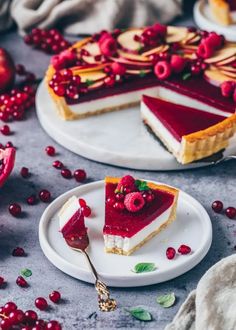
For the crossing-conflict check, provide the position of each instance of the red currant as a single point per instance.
(24, 172)
(80, 175)
(55, 296)
(5, 130)
(41, 303)
(32, 200)
(20, 281)
(53, 325)
(15, 209)
(45, 196)
(217, 206)
(31, 316)
(50, 150)
(57, 164)
(66, 173)
(230, 212)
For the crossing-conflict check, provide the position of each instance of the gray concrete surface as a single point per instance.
(79, 308)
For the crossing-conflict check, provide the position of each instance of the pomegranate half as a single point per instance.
(7, 160)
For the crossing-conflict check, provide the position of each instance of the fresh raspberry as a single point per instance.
(160, 29)
(104, 35)
(177, 63)
(118, 68)
(227, 88)
(57, 62)
(134, 201)
(162, 70)
(108, 46)
(205, 50)
(214, 40)
(184, 249)
(126, 182)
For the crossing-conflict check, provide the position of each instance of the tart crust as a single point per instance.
(170, 219)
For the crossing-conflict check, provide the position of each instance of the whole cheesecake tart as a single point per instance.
(188, 133)
(135, 211)
(72, 226)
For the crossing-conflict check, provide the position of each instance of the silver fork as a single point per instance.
(224, 159)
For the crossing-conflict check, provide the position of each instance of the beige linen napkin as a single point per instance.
(89, 16)
(212, 306)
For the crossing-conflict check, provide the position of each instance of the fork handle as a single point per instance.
(94, 272)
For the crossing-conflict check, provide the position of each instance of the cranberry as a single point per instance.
(53, 325)
(82, 202)
(32, 200)
(120, 197)
(57, 164)
(86, 211)
(1, 281)
(5, 130)
(184, 249)
(119, 206)
(148, 196)
(45, 196)
(170, 253)
(24, 172)
(195, 70)
(4, 116)
(110, 201)
(5, 324)
(41, 303)
(9, 144)
(20, 281)
(9, 307)
(15, 209)
(31, 316)
(50, 150)
(41, 323)
(80, 175)
(230, 212)
(59, 90)
(18, 252)
(17, 316)
(55, 296)
(217, 206)
(66, 173)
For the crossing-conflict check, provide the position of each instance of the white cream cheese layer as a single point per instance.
(68, 210)
(127, 244)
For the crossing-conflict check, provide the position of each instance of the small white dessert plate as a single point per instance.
(205, 21)
(192, 227)
(117, 138)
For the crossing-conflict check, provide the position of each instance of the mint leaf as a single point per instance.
(142, 74)
(166, 300)
(26, 272)
(186, 76)
(141, 185)
(144, 267)
(89, 82)
(140, 314)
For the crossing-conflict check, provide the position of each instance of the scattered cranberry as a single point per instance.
(80, 175)
(184, 249)
(15, 209)
(50, 150)
(20, 281)
(217, 206)
(41, 303)
(66, 173)
(82, 202)
(16, 317)
(55, 296)
(31, 316)
(9, 307)
(45, 196)
(170, 253)
(5, 130)
(230, 212)
(18, 252)
(24, 172)
(57, 164)
(53, 325)
(1, 281)
(86, 211)
(32, 200)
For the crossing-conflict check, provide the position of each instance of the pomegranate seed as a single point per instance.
(82, 202)
(24, 172)
(1, 281)
(17, 317)
(18, 252)
(80, 175)
(31, 316)
(5, 130)
(57, 164)
(15, 209)
(45, 196)
(41, 303)
(50, 150)
(217, 206)
(31, 200)
(66, 173)
(230, 212)
(170, 253)
(86, 211)
(20, 281)
(55, 296)
(184, 249)
(9, 307)
(53, 325)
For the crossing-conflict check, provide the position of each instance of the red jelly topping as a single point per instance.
(75, 232)
(125, 223)
(180, 120)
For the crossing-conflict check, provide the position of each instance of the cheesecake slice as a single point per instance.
(135, 211)
(72, 226)
(188, 133)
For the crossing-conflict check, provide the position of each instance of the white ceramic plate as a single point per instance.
(192, 227)
(117, 138)
(205, 21)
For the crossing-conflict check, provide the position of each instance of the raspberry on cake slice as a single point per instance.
(135, 211)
